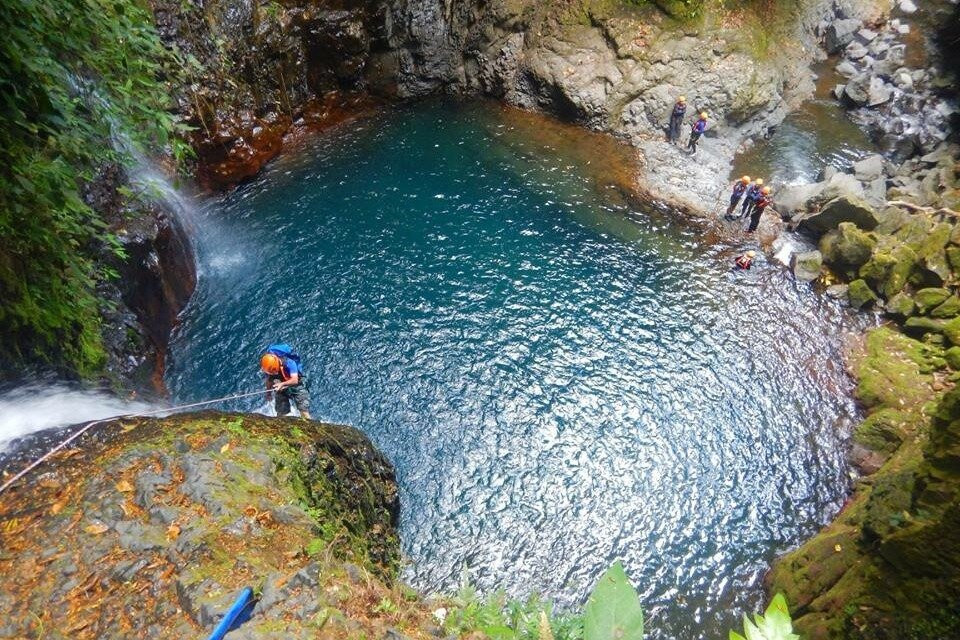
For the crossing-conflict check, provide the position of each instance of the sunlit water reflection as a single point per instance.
(561, 378)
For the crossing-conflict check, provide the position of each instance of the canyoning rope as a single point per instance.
(36, 463)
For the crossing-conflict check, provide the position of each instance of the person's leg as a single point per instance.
(302, 397)
(754, 220)
(282, 402)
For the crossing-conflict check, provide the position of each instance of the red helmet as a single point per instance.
(270, 364)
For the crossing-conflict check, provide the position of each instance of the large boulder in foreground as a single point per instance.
(847, 248)
(155, 526)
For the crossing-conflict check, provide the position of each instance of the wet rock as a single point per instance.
(878, 92)
(907, 6)
(838, 291)
(857, 90)
(806, 266)
(840, 33)
(870, 168)
(847, 69)
(859, 295)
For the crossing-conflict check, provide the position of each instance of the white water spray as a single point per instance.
(36, 407)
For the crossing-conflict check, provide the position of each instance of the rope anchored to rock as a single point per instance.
(36, 463)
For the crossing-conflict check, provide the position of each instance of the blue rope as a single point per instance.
(231, 616)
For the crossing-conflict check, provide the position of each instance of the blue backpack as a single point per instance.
(284, 351)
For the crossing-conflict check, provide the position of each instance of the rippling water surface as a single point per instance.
(561, 378)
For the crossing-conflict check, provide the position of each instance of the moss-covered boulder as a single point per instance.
(883, 430)
(893, 369)
(931, 250)
(919, 326)
(843, 209)
(929, 298)
(949, 308)
(847, 248)
(890, 266)
(860, 295)
(952, 356)
(951, 329)
(900, 306)
(154, 527)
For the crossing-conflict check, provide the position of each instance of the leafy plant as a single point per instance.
(774, 624)
(53, 142)
(613, 610)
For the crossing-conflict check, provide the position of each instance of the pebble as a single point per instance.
(907, 6)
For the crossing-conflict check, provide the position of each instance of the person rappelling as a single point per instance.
(739, 188)
(750, 197)
(696, 131)
(762, 201)
(676, 119)
(285, 379)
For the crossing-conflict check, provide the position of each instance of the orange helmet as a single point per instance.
(745, 179)
(703, 115)
(766, 191)
(759, 181)
(682, 99)
(270, 364)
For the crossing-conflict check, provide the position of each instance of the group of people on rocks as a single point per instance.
(752, 196)
(676, 121)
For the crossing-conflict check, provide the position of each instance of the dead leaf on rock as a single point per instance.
(96, 528)
(250, 511)
(173, 531)
(124, 486)
(49, 483)
(58, 506)
(225, 448)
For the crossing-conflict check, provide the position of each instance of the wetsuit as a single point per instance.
(748, 200)
(698, 128)
(738, 190)
(676, 119)
(759, 205)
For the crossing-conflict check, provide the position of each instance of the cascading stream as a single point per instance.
(560, 377)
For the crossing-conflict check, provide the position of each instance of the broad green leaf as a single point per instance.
(775, 624)
(613, 610)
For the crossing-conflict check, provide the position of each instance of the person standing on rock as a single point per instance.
(750, 197)
(676, 119)
(285, 379)
(756, 211)
(739, 188)
(698, 128)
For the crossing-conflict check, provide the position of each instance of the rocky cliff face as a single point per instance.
(157, 276)
(153, 530)
(261, 66)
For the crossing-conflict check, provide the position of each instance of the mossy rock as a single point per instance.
(932, 251)
(883, 430)
(953, 258)
(930, 298)
(900, 306)
(951, 329)
(915, 231)
(894, 371)
(860, 295)
(952, 356)
(949, 308)
(847, 248)
(889, 268)
(889, 503)
(920, 326)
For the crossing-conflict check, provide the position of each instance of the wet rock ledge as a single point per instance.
(153, 528)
